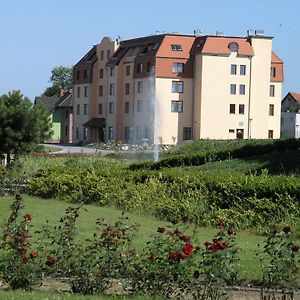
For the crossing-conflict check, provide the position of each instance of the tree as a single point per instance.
(62, 79)
(22, 124)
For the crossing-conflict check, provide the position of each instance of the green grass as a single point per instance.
(51, 210)
(37, 295)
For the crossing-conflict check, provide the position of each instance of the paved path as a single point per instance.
(77, 149)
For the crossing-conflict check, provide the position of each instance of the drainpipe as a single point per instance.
(249, 101)
(106, 106)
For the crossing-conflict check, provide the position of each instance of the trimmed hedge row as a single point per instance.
(241, 200)
(197, 159)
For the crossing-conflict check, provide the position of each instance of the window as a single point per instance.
(178, 67)
(139, 68)
(78, 74)
(176, 106)
(127, 70)
(108, 54)
(177, 86)
(187, 133)
(86, 91)
(272, 90)
(234, 47)
(271, 110)
(111, 89)
(233, 89)
(85, 74)
(77, 133)
(78, 91)
(102, 55)
(112, 71)
(127, 89)
(139, 106)
(100, 108)
(138, 133)
(148, 106)
(273, 72)
(111, 107)
(100, 90)
(126, 108)
(176, 47)
(101, 73)
(147, 132)
(241, 109)
(140, 87)
(84, 131)
(231, 130)
(148, 67)
(110, 133)
(242, 69)
(242, 89)
(78, 109)
(127, 133)
(85, 109)
(233, 70)
(270, 134)
(232, 108)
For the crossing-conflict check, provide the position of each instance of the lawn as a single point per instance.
(51, 210)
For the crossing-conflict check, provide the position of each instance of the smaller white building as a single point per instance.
(290, 116)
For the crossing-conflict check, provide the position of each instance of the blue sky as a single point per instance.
(37, 35)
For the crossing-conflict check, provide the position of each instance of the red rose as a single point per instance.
(185, 238)
(174, 256)
(25, 260)
(222, 245)
(22, 250)
(50, 261)
(188, 249)
(214, 248)
(221, 223)
(174, 222)
(34, 255)
(185, 218)
(152, 256)
(177, 232)
(161, 229)
(182, 256)
(295, 248)
(27, 218)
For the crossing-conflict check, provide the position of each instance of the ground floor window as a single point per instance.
(110, 133)
(270, 134)
(187, 133)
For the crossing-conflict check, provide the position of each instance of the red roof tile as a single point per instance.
(220, 45)
(275, 58)
(296, 96)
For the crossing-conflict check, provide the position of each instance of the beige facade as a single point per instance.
(169, 88)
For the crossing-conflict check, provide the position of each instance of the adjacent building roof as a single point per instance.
(66, 100)
(140, 46)
(275, 59)
(48, 102)
(51, 103)
(296, 96)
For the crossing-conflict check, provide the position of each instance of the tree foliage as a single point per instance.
(22, 125)
(61, 79)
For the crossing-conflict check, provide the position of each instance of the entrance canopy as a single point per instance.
(95, 122)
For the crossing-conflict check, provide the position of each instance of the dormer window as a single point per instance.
(176, 47)
(234, 47)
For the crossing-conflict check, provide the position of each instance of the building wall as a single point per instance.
(213, 98)
(169, 125)
(290, 125)
(81, 117)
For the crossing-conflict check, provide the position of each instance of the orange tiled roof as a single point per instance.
(220, 45)
(296, 96)
(275, 58)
